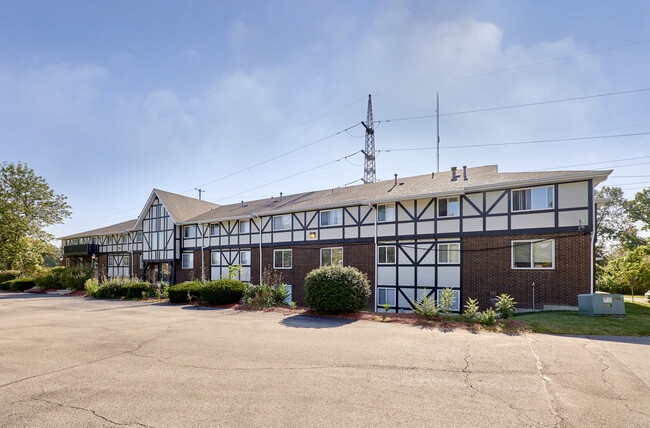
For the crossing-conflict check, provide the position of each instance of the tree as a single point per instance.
(27, 206)
(639, 208)
(616, 228)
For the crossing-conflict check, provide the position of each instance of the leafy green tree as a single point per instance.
(639, 208)
(633, 265)
(27, 206)
(616, 229)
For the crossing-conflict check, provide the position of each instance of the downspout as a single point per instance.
(593, 244)
(375, 261)
(260, 228)
(202, 252)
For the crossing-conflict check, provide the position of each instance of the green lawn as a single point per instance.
(635, 323)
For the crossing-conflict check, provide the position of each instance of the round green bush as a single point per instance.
(6, 285)
(178, 293)
(336, 289)
(109, 290)
(134, 290)
(223, 291)
(8, 275)
(21, 284)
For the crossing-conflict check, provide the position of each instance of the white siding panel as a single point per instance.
(266, 238)
(408, 206)
(309, 216)
(448, 276)
(429, 213)
(386, 275)
(425, 227)
(530, 221)
(367, 231)
(497, 223)
(409, 249)
(281, 236)
(472, 224)
(426, 277)
(573, 195)
(406, 229)
(448, 226)
(385, 229)
(245, 239)
(371, 217)
(351, 232)
(299, 236)
(406, 275)
(255, 239)
(402, 301)
(477, 199)
(573, 218)
(502, 206)
(331, 233)
(424, 257)
(350, 219)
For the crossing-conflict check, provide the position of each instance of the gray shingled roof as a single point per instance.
(108, 230)
(183, 208)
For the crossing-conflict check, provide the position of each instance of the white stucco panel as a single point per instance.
(496, 223)
(367, 231)
(426, 276)
(406, 275)
(425, 227)
(573, 195)
(531, 221)
(477, 199)
(406, 229)
(448, 276)
(386, 275)
(449, 226)
(331, 233)
(573, 218)
(424, 211)
(351, 232)
(472, 224)
(501, 207)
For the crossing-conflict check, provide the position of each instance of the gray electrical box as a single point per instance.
(601, 304)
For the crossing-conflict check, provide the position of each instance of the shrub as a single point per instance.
(47, 279)
(92, 286)
(505, 306)
(471, 309)
(336, 289)
(5, 285)
(136, 290)
(266, 296)
(21, 284)
(178, 293)
(426, 306)
(487, 317)
(446, 301)
(111, 289)
(8, 275)
(223, 291)
(74, 278)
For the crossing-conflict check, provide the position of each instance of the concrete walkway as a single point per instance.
(69, 361)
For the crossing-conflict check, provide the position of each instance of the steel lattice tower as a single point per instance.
(369, 167)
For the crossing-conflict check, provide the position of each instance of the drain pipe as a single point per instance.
(202, 251)
(260, 228)
(375, 262)
(593, 242)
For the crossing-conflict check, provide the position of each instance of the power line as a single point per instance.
(596, 163)
(427, 116)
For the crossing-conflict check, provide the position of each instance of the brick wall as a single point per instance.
(183, 275)
(489, 272)
(305, 258)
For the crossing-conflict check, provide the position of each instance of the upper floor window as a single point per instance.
(331, 217)
(189, 231)
(331, 256)
(533, 254)
(448, 207)
(282, 259)
(448, 253)
(536, 198)
(188, 260)
(214, 230)
(386, 254)
(138, 237)
(244, 226)
(282, 222)
(386, 212)
(245, 258)
(122, 239)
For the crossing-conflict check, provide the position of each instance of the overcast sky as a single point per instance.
(246, 99)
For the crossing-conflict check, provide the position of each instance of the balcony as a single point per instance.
(80, 250)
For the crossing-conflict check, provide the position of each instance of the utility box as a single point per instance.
(601, 304)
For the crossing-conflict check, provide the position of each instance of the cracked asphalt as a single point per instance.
(69, 361)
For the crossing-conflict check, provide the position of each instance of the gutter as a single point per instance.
(372, 207)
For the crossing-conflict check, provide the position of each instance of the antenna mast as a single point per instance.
(438, 132)
(369, 167)
(200, 191)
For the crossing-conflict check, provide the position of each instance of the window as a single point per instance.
(141, 262)
(125, 261)
(448, 207)
(188, 260)
(138, 237)
(122, 239)
(331, 256)
(455, 306)
(282, 259)
(111, 260)
(385, 295)
(537, 198)
(214, 258)
(214, 230)
(245, 257)
(189, 232)
(244, 226)
(386, 212)
(387, 254)
(448, 253)
(533, 254)
(67, 262)
(331, 217)
(282, 222)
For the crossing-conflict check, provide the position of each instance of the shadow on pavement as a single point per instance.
(314, 321)
(637, 340)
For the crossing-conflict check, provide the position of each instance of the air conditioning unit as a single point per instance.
(600, 304)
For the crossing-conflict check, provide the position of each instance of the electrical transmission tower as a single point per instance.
(369, 167)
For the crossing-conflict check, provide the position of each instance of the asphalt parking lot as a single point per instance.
(69, 361)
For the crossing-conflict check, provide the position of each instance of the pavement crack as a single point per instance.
(547, 392)
(69, 406)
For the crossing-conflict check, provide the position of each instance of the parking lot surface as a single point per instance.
(70, 361)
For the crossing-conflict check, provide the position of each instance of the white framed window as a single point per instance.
(214, 258)
(386, 254)
(331, 256)
(111, 261)
(188, 260)
(141, 261)
(385, 295)
(282, 222)
(448, 207)
(214, 230)
(138, 237)
(535, 198)
(533, 254)
(189, 231)
(125, 261)
(331, 217)
(386, 212)
(282, 259)
(455, 306)
(287, 301)
(122, 239)
(448, 253)
(67, 262)
(244, 257)
(244, 226)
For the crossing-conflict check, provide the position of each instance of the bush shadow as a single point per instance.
(315, 321)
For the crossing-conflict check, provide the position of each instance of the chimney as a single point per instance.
(396, 179)
(454, 177)
(465, 172)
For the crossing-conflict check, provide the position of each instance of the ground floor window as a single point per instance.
(188, 260)
(386, 254)
(331, 256)
(385, 295)
(282, 259)
(533, 254)
(448, 253)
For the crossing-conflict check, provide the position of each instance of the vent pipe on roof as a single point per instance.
(242, 204)
(280, 196)
(465, 172)
(396, 179)
(432, 175)
(454, 177)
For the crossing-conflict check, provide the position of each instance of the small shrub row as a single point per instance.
(185, 292)
(18, 284)
(8, 275)
(73, 278)
(219, 292)
(117, 288)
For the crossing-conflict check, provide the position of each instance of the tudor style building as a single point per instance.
(477, 231)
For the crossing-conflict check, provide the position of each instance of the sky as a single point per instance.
(109, 99)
